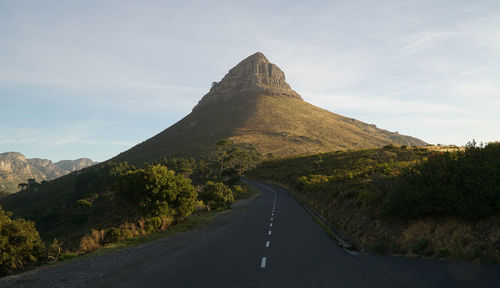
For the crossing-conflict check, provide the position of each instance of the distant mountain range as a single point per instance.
(15, 169)
(255, 107)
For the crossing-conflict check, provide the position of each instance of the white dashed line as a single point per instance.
(267, 244)
(269, 232)
(272, 219)
(270, 224)
(274, 203)
(263, 262)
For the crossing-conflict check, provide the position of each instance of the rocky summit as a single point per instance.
(255, 107)
(254, 75)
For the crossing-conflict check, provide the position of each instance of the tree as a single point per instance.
(89, 204)
(157, 191)
(32, 182)
(223, 147)
(22, 186)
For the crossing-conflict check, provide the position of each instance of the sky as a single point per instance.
(94, 78)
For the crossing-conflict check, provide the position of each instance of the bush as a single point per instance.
(115, 234)
(158, 223)
(91, 241)
(216, 195)
(20, 244)
(464, 184)
(157, 191)
(238, 191)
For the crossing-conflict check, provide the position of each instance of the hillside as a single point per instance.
(255, 107)
(15, 169)
(402, 200)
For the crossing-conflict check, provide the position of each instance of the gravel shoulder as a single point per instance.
(106, 269)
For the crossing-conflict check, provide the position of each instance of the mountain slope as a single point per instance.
(15, 169)
(254, 106)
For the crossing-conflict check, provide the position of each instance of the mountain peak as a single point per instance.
(256, 57)
(252, 76)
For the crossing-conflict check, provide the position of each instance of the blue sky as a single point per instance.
(93, 78)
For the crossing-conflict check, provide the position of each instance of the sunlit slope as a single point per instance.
(288, 126)
(254, 105)
(282, 126)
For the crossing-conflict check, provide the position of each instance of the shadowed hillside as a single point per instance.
(254, 106)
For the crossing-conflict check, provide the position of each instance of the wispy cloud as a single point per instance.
(423, 40)
(70, 75)
(384, 106)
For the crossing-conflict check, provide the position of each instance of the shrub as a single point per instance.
(116, 234)
(157, 191)
(158, 223)
(91, 241)
(20, 244)
(216, 195)
(54, 250)
(421, 247)
(201, 207)
(238, 191)
(464, 183)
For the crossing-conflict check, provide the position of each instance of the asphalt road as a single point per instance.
(275, 243)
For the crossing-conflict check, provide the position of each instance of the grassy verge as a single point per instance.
(193, 222)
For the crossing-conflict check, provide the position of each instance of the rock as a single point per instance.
(15, 169)
(254, 75)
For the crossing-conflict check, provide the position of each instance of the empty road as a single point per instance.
(275, 243)
(268, 241)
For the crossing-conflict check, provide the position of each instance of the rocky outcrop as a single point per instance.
(15, 169)
(253, 76)
(13, 166)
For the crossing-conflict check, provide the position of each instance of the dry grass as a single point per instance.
(272, 124)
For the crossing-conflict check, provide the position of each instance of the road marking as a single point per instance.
(271, 218)
(267, 243)
(263, 262)
(274, 204)
(270, 224)
(269, 232)
(272, 214)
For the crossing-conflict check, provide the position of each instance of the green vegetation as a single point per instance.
(463, 183)
(216, 195)
(114, 202)
(363, 175)
(403, 199)
(404, 182)
(156, 191)
(20, 244)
